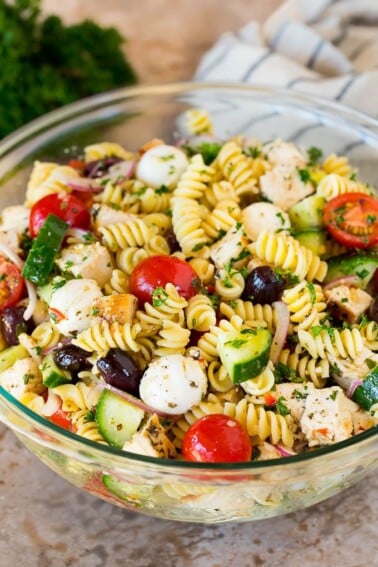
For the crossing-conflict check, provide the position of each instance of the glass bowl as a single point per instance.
(172, 489)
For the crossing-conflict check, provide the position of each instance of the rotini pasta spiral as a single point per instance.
(154, 202)
(236, 168)
(229, 284)
(220, 191)
(46, 335)
(261, 384)
(118, 283)
(168, 306)
(261, 423)
(106, 149)
(306, 303)
(123, 235)
(128, 259)
(286, 253)
(220, 220)
(203, 268)
(344, 343)
(369, 332)
(333, 185)
(195, 180)
(218, 377)
(208, 342)
(306, 367)
(337, 164)
(78, 396)
(200, 314)
(173, 339)
(54, 181)
(198, 121)
(85, 426)
(101, 336)
(187, 226)
(256, 314)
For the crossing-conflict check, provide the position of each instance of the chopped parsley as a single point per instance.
(282, 373)
(370, 363)
(281, 408)
(159, 297)
(333, 396)
(252, 151)
(311, 289)
(314, 155)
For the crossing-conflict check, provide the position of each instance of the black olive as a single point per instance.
(119, 370)
(72, 358)
(12, 324)
(373, 310)
(263, 285)
(172, 241)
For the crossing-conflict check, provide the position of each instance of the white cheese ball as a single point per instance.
(90, 261)
(264, 216)
(71, 305)
(162, 165)
(173, 384)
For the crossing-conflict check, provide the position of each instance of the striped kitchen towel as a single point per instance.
(328, 48)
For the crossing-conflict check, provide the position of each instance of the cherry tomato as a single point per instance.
(216, 438)
(60, 419)
(66, 207)
(270, 400)
(352, 220)
(11, 283)
(156, 271)
(77, 164)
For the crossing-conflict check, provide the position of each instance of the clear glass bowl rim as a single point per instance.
(46, 123)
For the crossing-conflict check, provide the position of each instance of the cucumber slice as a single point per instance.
(52, 375)
(117, 419)
(40, 260)
(313, 239)
(308, 213)
(128, 492)
(366, 394)
(245, 353)
(361, 265)
(10, 355)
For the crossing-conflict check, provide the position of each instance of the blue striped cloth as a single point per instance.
(328, 48)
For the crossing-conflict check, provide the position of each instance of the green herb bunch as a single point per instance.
(45, 64)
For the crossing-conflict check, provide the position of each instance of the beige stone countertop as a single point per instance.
(44, 521)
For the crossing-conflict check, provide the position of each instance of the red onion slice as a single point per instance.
(83, 185)
(121, 171)
(345, 280)
(353, 386)
(284, 451)
(283, 322)
(52, 404)
(132, 400)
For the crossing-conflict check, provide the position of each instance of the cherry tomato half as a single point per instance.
(352, 220)
(217, 438)
(66, 207)
(156, 271)
(11, 283)
(60, 419)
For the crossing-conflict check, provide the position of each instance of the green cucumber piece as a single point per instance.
(313, 239)
(245, 353)
(117, 419)
(130, 493)
(10, 355)
(52, 375)
(40, 260)
(307, 213)
(361, 265)
(366, 394)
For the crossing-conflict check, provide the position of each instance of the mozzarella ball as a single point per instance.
(89, 261)
(264, 216)
(173, 384)
(162, 165)
(71, 305)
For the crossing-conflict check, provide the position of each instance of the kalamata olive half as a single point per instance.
(373, 310)
(263, 285)
(12, 324)
(119, 370)
(72, 358)
(172, 241)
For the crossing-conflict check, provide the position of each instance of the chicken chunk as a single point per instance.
(351, 302)
(151, 441)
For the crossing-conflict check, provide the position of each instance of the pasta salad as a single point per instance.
(213, 300)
